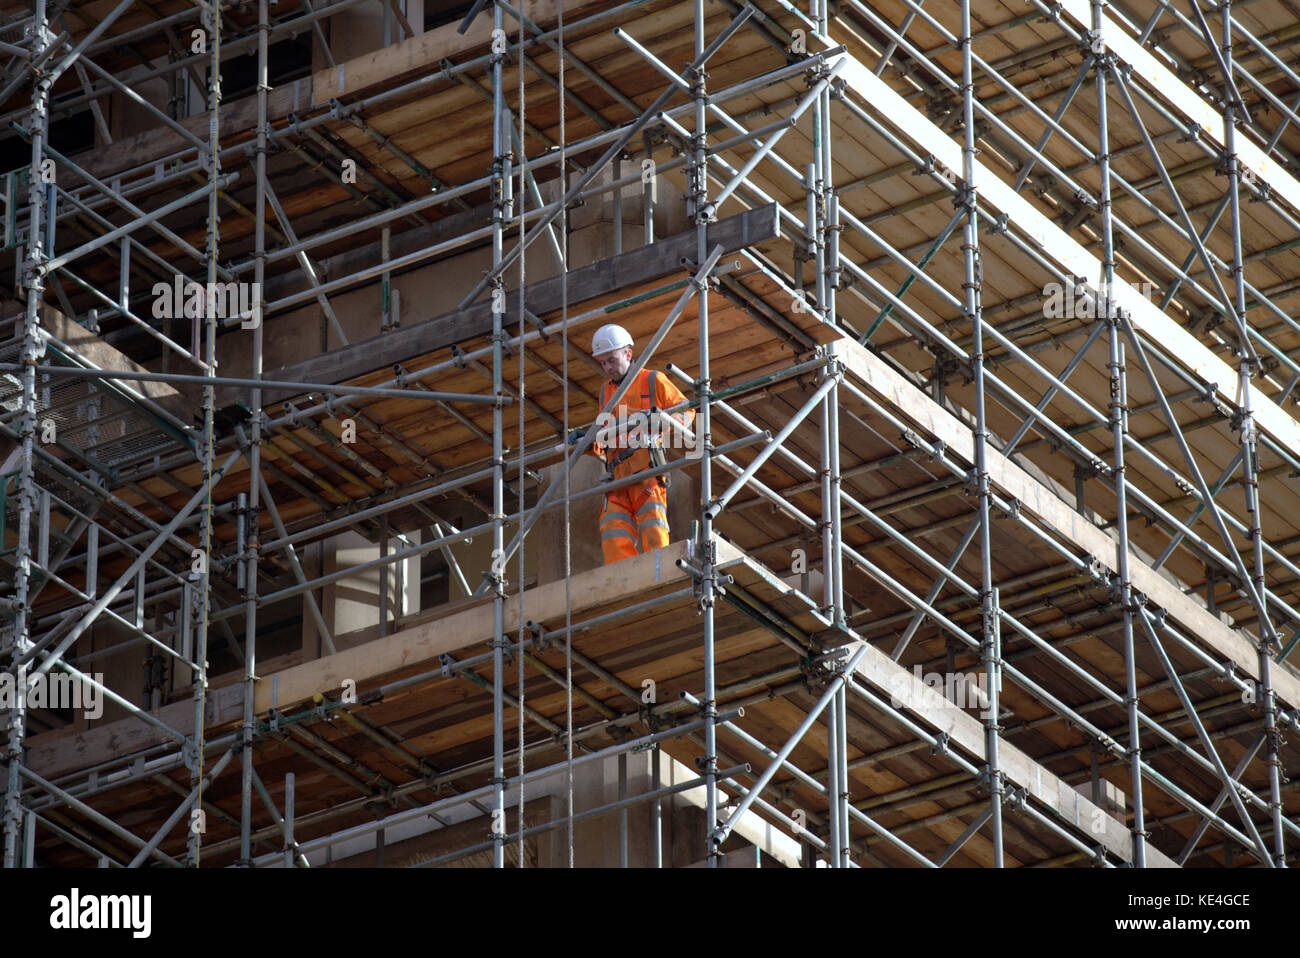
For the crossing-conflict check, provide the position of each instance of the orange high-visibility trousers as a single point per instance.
(634, 521)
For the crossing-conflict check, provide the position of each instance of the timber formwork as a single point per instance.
(986, 310)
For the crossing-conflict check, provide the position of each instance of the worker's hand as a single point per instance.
(576, 436)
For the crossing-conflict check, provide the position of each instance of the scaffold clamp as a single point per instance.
(1228, 668)
(540, 644)
(928, 165)
(1013, 798)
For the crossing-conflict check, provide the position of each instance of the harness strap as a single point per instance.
(648, 403)
(622, 457)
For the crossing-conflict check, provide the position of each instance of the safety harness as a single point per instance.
(657, 456)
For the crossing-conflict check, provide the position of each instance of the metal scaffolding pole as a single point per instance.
(208, 351)
(18, 641)
(834, 787)
(1104, 63)
(501, 186)
(967, 202)
(705, 545)
(1248, 365)
(252, 516)
(824, 234)
(843, 802)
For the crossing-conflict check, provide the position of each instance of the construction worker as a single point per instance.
(634, 518)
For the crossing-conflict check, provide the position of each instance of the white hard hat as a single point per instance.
(609, 338)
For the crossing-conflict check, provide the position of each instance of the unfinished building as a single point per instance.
(985, 539)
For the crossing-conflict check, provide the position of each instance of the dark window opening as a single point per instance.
(70, 135)
(438, 13)
(286, 61)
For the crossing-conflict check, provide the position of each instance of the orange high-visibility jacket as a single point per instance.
(651, 390)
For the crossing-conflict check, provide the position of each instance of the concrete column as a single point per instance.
(596, 839)
(683, 506)
(591, 225)
(355, 32)
(352, 603)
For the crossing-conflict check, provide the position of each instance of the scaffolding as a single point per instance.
(992, 451)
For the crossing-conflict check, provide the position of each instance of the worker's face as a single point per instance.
(616, 363)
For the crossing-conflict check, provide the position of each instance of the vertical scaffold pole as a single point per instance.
(970, 246)
(706, 547)
(827, 517)
(656, 813)
(500, 185)
(209, 353)
(33, 278)
(254, 448)
(1266, 698)
(831, 424)
(289, 802)
(842, 722)
(648, 191)
(1119, 425)
(824, 237)
(833, 786)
